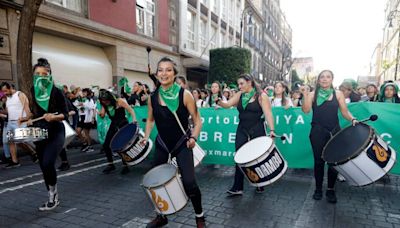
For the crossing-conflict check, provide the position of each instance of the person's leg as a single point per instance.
(107, 148)
(11, 126)
(237, 188)
(6, 147)
(64, 161)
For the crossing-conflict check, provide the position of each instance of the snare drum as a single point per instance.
(165, 189)
(260, 161)
(359, 154)
(69, 133)
(126, 142)
(27, 134)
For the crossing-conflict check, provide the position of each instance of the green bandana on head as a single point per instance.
(323, 95)
(124, 83)
(42, 86)
(171, 96)
(246, 97)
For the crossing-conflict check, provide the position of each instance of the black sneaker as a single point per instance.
(34, 158)
(48, 206)
(64, 167)
(109, 169)
(200, 222)
(89, 149)
(317, 194)
(232, 192)
(125, 170)
(85, 148)
(158, 221)
(331, 196)
(259, 189)
(13, 165)
(5, 161)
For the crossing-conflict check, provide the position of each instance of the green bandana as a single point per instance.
(213, 98)
(82, 99)
(246, 97)
(389, 100)
(42, 86)
(111, 110)
(270, 93)
(124, 83)
(171, 97)
(323, 95)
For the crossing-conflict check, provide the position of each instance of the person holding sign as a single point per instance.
(50, 105)
(325, 102)
(168, 104)
(252, 104)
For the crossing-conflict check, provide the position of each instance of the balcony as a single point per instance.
(246, 36)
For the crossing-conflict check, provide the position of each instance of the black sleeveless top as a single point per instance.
(326, 115)
(167, 125)
(251, 116)
(119, 117)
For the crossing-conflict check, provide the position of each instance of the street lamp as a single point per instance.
(241, 23)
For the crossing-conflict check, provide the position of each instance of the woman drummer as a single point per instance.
(167, 100)
(325, 102)
(252, 104)
(115, 109)
(48, 102)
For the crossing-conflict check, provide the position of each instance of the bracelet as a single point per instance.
(353, 119)
(272, 130)
(192, 137)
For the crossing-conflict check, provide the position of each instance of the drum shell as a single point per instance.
(69, 133)
(266, 169)
(133, 154)
(365, 168)
(169, 197)
(27, 134)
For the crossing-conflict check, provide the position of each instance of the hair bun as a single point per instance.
(42, 61)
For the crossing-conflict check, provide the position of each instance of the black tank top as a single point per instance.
(119, 117)
(167, 126)
(251, 116)
(326, 115)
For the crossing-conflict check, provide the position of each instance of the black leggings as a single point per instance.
(184, 158)
(318, 138)
(47, 151)
(112, 130)
(242, 137)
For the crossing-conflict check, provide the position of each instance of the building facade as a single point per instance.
(305, 69)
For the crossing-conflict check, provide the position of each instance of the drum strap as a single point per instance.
(174, 150)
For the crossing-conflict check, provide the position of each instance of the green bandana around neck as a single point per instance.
(246, 97)
(124, 83)
(171, 96)
(323, 95)
(213, 98)
(389, 100)
(111, 110)
(42, 86)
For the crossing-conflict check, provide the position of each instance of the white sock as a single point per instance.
(53, 194)
(200, 215)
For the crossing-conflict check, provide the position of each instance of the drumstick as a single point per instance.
(372, 118)
(40, 118)
(281, 137)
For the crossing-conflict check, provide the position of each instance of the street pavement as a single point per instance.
(92, 199)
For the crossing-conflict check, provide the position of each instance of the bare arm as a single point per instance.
(231, 102)
(190, 104)
(102, 112)
(343, 106)
(308, 98)
(149, 122)
(267, 110)
(24, 100)
(125, 105)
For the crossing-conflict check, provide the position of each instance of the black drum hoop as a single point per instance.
(371, 135)
(130, 142)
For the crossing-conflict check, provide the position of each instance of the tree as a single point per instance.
(24, 45)
(226, 64)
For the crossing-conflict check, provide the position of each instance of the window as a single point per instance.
(191, 21)
(204, 2)
(224, 9)
(214, 34)
(74, 5)
(203, 34)
(214, 6)
(145, 11)
(231, 12)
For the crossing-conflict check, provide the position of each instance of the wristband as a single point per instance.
(192, 137)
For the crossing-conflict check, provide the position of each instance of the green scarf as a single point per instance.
(123, 82)
(111, 110)
(323, 95)
(270, 93)
(213, 98)
(42, 86)
(246, 97)
(389, 100)
(171, 96)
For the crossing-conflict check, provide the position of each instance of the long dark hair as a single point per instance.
(317, 87)
(42, 62)
(109, 96)
(254, 84)
(219, 93)
(284, 100)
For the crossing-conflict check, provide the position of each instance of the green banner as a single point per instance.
(217, 137)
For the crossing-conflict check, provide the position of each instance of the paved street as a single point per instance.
(92, 199)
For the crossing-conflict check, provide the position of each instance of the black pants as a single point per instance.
(107, 141)
(318, 138)
(184, 158)
(242, 137)
(47, 151)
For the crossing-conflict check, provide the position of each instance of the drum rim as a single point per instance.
(129, 142)
(268, 150)
(355, 154)
(159, 166)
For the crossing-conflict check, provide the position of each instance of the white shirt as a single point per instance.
(15, 107)
(277, 102)
(88, 109)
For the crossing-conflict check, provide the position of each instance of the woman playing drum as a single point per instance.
(49, 102)
(252, 105)
(167, 100)
(115, 109)
(325, 103)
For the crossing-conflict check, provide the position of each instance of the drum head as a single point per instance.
(253, 149)
(159, 175)
(123, 137)
(347, 144)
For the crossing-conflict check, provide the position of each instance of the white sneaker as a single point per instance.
(48, 206)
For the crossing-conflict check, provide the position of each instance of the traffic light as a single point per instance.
(1, 41)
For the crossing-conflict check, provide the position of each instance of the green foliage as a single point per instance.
(295, 80)
(226, 64)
